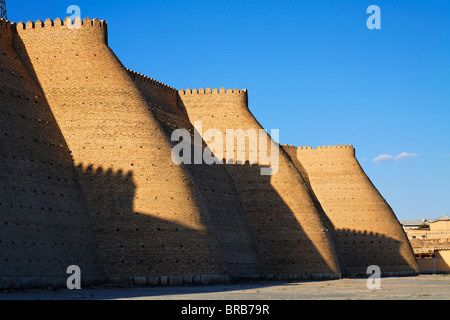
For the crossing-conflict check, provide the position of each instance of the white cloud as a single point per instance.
(383, 158)
(405, 155)
(387, 157)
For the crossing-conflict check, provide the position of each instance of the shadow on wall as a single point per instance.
(22, 52)
(281, 245)
(359, 250)
(145, 244)
(327, 222)
(442, 261)
(135, 244)
(225, 212)
(44, 224)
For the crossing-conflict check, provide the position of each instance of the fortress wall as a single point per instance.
(288, 231)
(156, 93)
(216, 187)
(291, 152)
(367, 230)
(164, 230)
(64, 93)
(162, 101)
(44, 223)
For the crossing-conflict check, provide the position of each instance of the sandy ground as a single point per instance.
(424, 287)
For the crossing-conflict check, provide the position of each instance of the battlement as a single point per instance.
(212, 91)
(6, 31)
(325, 148)
(138, 76)
(6, 25)
(289, 147)
(66, 24)
(321, 148)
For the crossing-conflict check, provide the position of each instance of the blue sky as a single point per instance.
(313, 70)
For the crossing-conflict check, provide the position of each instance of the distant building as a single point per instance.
(443, 223)
(431, 244)
(415, 224)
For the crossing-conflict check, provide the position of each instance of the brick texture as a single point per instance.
(87, 178)
(44, 222)
(366, 228)
(147, 215)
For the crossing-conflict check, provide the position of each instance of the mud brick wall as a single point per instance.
(367, 230)
(121, 150)
(44, 223)
(87, 178)
(288, 230)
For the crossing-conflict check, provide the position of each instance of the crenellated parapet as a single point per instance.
(289, 147)
(66, 24)
(327, 148)
(204, 103)
(81, 33)
(212, 91)
(6, 31)
(140, 77)
(337, 150)
(6, 25)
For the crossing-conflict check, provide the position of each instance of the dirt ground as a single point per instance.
(423, 287)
